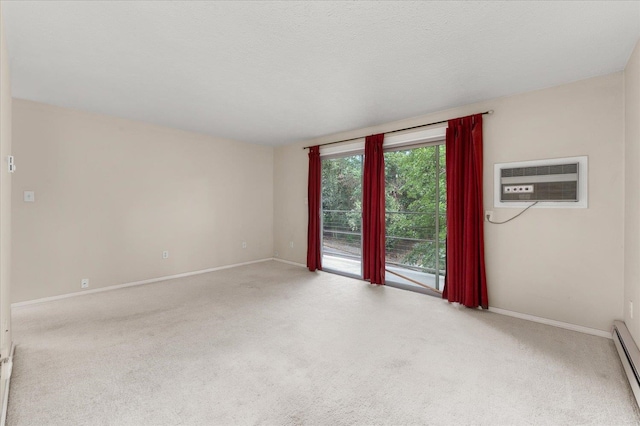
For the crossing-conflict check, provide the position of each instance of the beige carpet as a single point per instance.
(275, 344)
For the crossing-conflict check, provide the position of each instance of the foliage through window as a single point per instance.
(416, 209)
(342, 206)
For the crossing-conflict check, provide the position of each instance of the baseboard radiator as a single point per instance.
(629, 355)
(5, 379)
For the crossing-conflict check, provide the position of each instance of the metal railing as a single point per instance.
(414, 240)
(342, 233)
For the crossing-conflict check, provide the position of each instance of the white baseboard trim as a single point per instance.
(500, 311)
(289, 262)
(135, 283)
(528, 317)
(566, 325)
(7, 367)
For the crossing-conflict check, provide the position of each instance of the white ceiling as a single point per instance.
(279, 72)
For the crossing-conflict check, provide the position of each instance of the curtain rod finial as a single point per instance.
(490, 112)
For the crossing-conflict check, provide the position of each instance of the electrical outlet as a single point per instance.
(488, 215)
(84, 283)
(244, 244)
(165, 254)
(291, 244)
(276, 254)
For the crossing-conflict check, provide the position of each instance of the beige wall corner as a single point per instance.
(5, 196)
(561, 264)
(5, 220)
(112, 194)
(632, 194)
(290, 202)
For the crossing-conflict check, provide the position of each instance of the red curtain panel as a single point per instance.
(313, 229)
(465, 281)
(373, 211)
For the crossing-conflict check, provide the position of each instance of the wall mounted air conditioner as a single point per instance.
(557, 182)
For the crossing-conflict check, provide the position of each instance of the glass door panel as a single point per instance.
(416, 217)
(342, 215)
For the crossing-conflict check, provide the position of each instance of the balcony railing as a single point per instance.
(414, 240)
(342, 233)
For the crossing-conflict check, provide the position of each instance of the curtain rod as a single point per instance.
(394, 131)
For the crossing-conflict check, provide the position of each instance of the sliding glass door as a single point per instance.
(342, 215)
(416, 216)
(415, 201)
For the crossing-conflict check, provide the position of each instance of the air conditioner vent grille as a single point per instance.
(557, 191)
(559, 169)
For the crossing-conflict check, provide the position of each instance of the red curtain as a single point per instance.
(465, 281)
(373, 209)
(313, 229)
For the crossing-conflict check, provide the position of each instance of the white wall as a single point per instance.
(112, 194)
(561, 264)
(632, 193)
(5, 197)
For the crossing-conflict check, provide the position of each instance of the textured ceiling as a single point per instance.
(279, 72)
